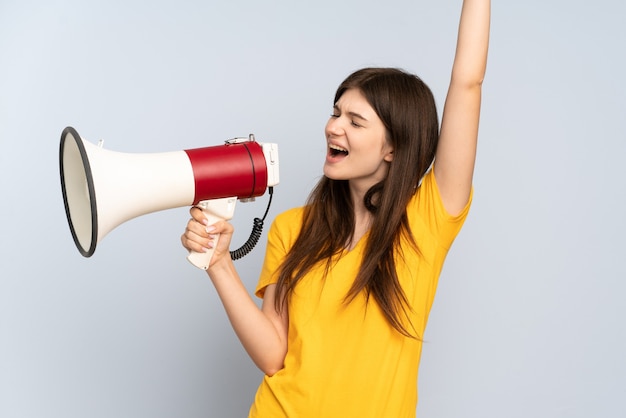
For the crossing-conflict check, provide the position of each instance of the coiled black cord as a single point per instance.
(255, 235)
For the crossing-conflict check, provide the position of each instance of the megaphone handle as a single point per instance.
(202, 260)
(215, 210)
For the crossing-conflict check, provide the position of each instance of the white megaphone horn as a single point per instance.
(102, 188)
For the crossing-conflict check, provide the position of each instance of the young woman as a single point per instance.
(349, 279)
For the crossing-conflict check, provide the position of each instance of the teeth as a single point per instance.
(335, 147)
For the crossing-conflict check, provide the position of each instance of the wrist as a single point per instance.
(224, 266)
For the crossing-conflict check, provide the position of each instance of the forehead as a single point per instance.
(353, 100)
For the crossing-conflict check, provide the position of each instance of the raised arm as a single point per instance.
(456, 152)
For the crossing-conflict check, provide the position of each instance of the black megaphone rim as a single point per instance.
(90, 187)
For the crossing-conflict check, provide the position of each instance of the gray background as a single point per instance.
(528, 320)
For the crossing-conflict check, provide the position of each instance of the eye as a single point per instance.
(334, 115)
(356, 125)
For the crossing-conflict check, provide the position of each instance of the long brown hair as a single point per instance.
(407, 109)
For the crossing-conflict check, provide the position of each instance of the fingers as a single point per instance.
(216, 227)
(199, 236)
(196, 238)
(197, 215)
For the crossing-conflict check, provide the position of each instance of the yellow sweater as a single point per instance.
(343, 360)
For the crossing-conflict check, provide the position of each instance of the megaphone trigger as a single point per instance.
(214, 210)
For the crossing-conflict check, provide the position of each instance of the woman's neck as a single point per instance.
(362, 218)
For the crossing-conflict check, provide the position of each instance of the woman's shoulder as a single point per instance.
(426, 212)
(426, 187)
(289, 220)
(290, 214)
(286, 227)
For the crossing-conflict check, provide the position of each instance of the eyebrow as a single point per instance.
(352, 114)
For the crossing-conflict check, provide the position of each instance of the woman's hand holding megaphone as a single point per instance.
(202, 237)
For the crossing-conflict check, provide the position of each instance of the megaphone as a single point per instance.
(103, 189)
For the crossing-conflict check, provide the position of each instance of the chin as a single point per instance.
(332, 176)
(329, 173)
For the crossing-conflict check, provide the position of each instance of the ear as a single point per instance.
(389, 156)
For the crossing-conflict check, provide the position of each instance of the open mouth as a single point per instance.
(336, 151)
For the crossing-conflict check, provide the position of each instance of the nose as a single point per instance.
(334, 126)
